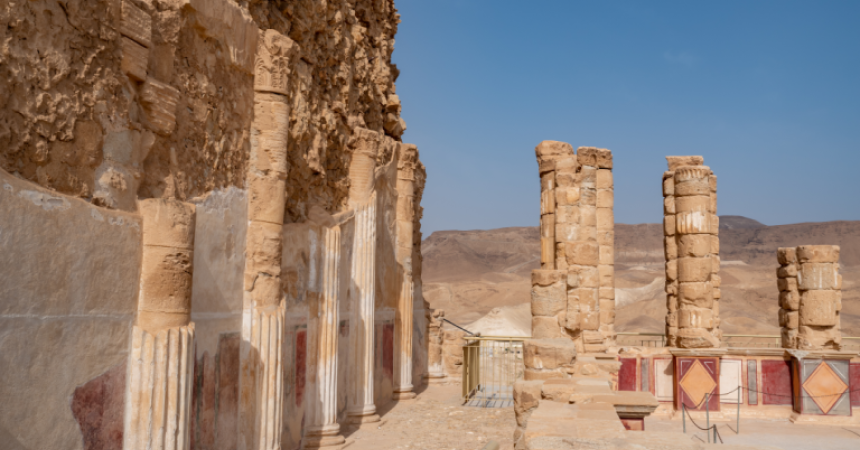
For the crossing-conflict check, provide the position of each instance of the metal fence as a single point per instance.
(491, 364)
(850, 343)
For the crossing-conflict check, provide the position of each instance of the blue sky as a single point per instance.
(767, 91)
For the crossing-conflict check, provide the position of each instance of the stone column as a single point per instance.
(322, 427)
(696, 267)
(407, 157)
(810, 297)
(161, 360)
(435, 368)
(362, 198)
(261, 379)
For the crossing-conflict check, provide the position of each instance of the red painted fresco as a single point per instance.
(776, 382)
(388, 349)
(98, 408)
(204, 402)
(227, 373)
(700, 383)
(627, 375)
(301, 364)
(854, 380)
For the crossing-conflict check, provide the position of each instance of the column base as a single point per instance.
(404, 395)
(327, 437)
(362, 417)
(435, 379)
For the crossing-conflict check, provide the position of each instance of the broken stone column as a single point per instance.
(322, 427)
(161, 361)
(261, 380)
(810, 297)
(435, 367)
(407, 157)
(692, 254)
(362, 199)
(577, 238)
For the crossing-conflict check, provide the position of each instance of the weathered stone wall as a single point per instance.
(109, 102)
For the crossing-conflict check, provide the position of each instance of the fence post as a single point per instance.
(684, 415)
(738, 424)
(708, 415)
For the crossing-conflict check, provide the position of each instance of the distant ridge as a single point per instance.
(738, 222)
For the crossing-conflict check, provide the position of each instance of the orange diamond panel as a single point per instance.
(825, 387)
(697, 383)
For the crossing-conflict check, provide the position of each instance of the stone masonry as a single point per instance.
(692, 247)
(573, 294)
(810, 297)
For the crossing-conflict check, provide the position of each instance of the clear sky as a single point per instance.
(767, 91)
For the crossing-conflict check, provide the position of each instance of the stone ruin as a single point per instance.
(230, 217)
(692, 249)
(810, 297)
(573, 293)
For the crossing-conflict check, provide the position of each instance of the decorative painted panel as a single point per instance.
(776, 382)
(644, 374)
(752, 382)
(823, 385)
(627, 375)
(698, 383)
(730, 381)
(664, 379)
(854, 374)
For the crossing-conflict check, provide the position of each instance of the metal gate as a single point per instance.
(491, 364)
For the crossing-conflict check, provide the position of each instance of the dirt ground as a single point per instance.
(435, 420)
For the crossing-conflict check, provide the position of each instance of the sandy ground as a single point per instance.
(435, 420)
(778, 433)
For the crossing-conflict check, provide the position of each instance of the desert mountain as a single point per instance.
(478, 273)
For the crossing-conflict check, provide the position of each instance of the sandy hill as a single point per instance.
(473, 273)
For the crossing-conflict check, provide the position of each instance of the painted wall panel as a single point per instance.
(627, 375)
(776, 382)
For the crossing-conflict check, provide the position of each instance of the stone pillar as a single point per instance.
(810, 297)
(692, 245)
(322, 427)
(407, 157)
(261, 353)
(161, 360)
(577, 239)
(435, 368)
(362, 199)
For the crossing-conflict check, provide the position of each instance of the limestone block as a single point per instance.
(527, 395)
(789, 300)
(696, 338)
(543, 374)
(605, 198)
(588, 300)
(786, 255)
(573, 279)
(715, 224)
(263, 252)
(668, 187)
(606, 254)
(547, 226)
(669, 205)
(547, 252)
(838, 282)
(693, 203)
(267, 198)
(271, 73)
(694, 269)
(695, 318)
(553, 150)
(672, 270)
(590, 320)
(547, 202)
(716, 309)
(136, 24)
(592, 337)
(547, 181)
(698, 245)
(716, 281)
(607, 276)
(672, 287)
(588, 197)
(589, 276)
(692, 180)
(269, 135)
(789, 338)
(817, 276)
(546, 328)
(548, 301)
(699, 295)
(165, 287)
(670, 246)
(135, 59)
(547, 277)
(567, 196)
(583, 253)
(588, 177)
(566, 179)
(717, 293)
(168, 223)
(560, 259)
(567, 232)
(548, 353)
(809, 338)
(567, 214)
(712, 182)
(605, 238)
(789, 319)
(605, 220)
(607, 294)
(818, 253)
(695, 222)
(715, 264)
(786, 271)
(604, 179)
(672, 319)
(669, 225)
(676, 162)
(545, 167)
(713, 208)
(715, 244)
(568, 164)
(606, 304)
(604, 158)
(818, 308)
(787, 284)
(158, 101)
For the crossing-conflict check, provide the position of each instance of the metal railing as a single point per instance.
(729, 340)
(491, 364)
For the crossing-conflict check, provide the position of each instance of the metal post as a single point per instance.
(708, 415)
(684, 416)
(738, 424)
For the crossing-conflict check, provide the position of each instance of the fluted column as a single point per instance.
(161, 361)
(407, 156)
(261, 352)
(363, 200)
(322, 427)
